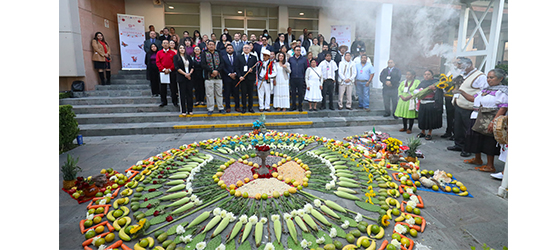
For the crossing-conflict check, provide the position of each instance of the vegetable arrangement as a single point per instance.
(201, 196)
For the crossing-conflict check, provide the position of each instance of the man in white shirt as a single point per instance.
(266, 75)
(328, 68)
(346, 76)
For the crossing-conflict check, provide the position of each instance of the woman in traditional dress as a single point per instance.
(431, 107)
(405, 109)
(491, 103)
(314, 81)
(282, 83)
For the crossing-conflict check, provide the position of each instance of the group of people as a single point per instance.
(292, 70)
(282, 72)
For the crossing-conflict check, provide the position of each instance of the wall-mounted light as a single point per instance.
(239, 12)
(301, 13)
(171, 7)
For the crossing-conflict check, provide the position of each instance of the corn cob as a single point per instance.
(212, 223)
(175, 182)
(329, 211)
(320, 217)
(347, 190)
(301, 224)
(223, 224)
(348, 184)
(335, 206)
(179, 202)
(176, 188)
(278, 229)
(347, 179)
(345, 195)
(344, 175)
(292, 229)
(199, 219)
(235, 231)
(258, 233)
(246, 231)
(179, 176)
(183, 208)
(310, 221)
(173, 196)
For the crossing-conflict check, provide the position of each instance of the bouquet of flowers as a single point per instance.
(393, 144)
(445, 83)
(259, 125)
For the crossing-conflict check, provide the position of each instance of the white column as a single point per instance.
(205, 18)
(502, 190)
(383, 23)
(495, 30)
(283, 19)
(70, 40)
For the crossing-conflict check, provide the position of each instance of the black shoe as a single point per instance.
(293, 109)
(331, 108)
(446, 135)
(465, 154)
(300, 109)
(251, 111)
(454, 148)
(222, 111)
(421, 135)
(210, 112)
(243, 111)
(162, 104)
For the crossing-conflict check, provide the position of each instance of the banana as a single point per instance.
(116, 225)
(349, 247)
(128, 221)
(138, 247)
(126, 200)
(110, 216)
(142, 177)
(159, 248)
(123, 236)
(400, 218)
(359, 241)
(463, 193)
(398, 204)
(372, 245)
(126, 210)
(389, 214)
(368, 229)
(151, 242)
(378, 235)
(115, 204)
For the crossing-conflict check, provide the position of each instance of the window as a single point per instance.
(303, 18)
(245, 19)
(182, 16)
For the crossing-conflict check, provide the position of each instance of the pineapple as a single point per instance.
(413, 144)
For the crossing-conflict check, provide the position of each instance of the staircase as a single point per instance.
(126, 107)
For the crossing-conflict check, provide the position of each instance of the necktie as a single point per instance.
(153, 40)
(231, 59)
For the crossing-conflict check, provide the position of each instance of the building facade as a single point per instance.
(416, 34)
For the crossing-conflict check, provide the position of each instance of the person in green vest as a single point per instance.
(406, 108)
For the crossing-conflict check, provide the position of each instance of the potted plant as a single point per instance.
(413, 144)
(69, 171)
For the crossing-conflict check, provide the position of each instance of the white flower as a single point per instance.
(263, 220)
(293, 213)
(303, 243)
(275, 217)
(320, 240)
(396, 243)
(194, 197)
(102, 201)
(403, 178)
(201, 245)
(217, 211)
(287, 216)
(333, 232)
(243, 219)
(180, 230)
(113, 178)
(308, 208)
(411, 203)
(188, 185)
(197, 202)
(409, 190)
(139, 163)
(223, 213)
(345, 225)
(221, 247)
(301, 212)
(253, 219)
(102, 247)
(358, 217)
(317, 202)
(151, 159)
(411, 221)
(89, 216)
(230, 216)
(189, 191)
(414, 198)
(269, 246)
(400, 229)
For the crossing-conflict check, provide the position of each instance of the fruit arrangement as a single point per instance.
(85, 189)
(204, 196)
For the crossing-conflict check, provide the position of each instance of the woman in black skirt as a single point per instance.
(197, 77)
(431, 107)
(153, 71)
(185, 67)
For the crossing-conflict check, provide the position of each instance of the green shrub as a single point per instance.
(63, 95)
(67, 127)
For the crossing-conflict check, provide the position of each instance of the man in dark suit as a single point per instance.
(150, 28)
(229, 77)
(243, 64)
(258, 48)
(307, 41)
(237, 44)
(166, 35)
(152, 39)
(390, 77)
(289, 37)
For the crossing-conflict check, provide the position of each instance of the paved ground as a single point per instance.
(453, 222)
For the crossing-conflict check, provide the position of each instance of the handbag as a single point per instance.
(483, 120)
(500, 128)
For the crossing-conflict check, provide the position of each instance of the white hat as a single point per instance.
(266, 52)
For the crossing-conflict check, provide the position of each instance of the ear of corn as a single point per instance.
(344, 175)
(347, 179)
(320, 217)
(278, 230)
(310, 221)
(258, 233)
(177, 195)
(300, 223)
(212, 223)
(329, 211)
(223, 224)
(199, 219)
(183, 208)
(348, 184)
(179, 202)
(347, 190)
(345, 195)
(246, 231)
(235, 230)
(176, 188)
(292, 229)
(175, 182)
(179, 176)
(335, 206)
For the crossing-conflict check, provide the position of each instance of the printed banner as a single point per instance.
(343, 34)
(131, 36)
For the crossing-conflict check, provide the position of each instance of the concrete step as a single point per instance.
(101, 100)
(228, 125)
(201, 115)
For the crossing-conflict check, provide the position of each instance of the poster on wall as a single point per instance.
(131, 38)
(343, 34)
